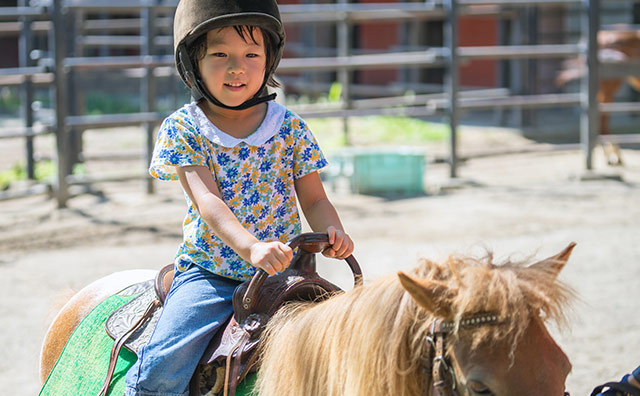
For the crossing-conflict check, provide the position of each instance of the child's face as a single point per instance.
(232, 68)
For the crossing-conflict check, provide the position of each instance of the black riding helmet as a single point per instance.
(194, 18)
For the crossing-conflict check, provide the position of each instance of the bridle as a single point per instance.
(443, 378)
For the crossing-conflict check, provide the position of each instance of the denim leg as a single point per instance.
(198, 303)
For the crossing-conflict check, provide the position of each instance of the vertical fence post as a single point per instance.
(452, 78)
(59, 100)
(517, 70)
(26, 90)
(147, 84)
(589, 111)
(344, 75)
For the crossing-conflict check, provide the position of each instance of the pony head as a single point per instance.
(492, 358)
(373, 340)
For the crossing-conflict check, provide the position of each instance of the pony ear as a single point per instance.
(555, 264)
(426, 293)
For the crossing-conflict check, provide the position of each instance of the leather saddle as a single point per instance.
(232, 353)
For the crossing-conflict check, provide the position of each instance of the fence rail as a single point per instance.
(57, 66)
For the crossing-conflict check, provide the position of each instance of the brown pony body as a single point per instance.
(371, 341)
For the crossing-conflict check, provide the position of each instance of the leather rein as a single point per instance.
(442, 375)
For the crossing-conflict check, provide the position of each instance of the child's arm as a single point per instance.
(199, 185)
(322, 216)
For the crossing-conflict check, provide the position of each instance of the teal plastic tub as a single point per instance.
(387, 172)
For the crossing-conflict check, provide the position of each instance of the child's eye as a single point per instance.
(219, 54)
(252, 55)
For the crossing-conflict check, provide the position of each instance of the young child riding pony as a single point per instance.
(244, 162)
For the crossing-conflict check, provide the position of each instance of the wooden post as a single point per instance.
(589, 117)
(344, 75)
(452, 78)
(26, 90)
(148, 86)
(59, 102)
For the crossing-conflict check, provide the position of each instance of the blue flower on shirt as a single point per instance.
(321, 163)
(281, 211)
(193, 143)
(251, 200)
(232, 174)
(247, 184)
(265, 166)
(264, 234)
(223, 159)
(202, 243)
(226, 251)
(288, 153)
(174, 157)
(285, 130)
(306, 154)
(251, 219)
(279, 230)
(244, 152)
(280, 186)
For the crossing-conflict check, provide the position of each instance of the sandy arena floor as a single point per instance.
(521, 206)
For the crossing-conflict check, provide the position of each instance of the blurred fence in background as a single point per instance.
(71, 50)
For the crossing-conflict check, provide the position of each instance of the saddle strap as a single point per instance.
(231, 379)
(119, 343)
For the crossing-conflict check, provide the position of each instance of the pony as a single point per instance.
(380, 338)
(622, 44)
(79, 305)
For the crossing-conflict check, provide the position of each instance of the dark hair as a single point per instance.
(198, 48)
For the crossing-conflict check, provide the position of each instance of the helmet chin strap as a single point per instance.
(202, 92)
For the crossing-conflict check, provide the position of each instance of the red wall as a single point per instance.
(478, 31)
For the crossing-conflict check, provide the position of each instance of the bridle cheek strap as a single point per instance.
(444, 381)
(442, 375)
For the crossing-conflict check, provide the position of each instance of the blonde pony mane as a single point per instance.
(370, 341)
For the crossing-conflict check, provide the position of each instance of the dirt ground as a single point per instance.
(521, 206)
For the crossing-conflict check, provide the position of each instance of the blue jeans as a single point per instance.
(197, 305)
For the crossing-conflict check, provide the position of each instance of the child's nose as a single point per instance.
(236, 65)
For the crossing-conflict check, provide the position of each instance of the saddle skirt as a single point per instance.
(123, 318)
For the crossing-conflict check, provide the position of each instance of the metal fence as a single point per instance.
(70, 38)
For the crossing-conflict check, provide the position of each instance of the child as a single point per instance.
(242, 161)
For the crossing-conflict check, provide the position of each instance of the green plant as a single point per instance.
(335, 92)
(101, 103)
(44, 170)
(377, 130)
(9, 100)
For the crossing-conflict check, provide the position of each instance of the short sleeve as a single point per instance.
(307, 156)
(177, 144)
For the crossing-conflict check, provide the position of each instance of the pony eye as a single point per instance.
(479, 388)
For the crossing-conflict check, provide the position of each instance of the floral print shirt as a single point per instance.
(255, 176)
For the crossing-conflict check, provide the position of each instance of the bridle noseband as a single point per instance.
(442, 374)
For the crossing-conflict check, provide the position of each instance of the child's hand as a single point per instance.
(341, 244)
(272, 257)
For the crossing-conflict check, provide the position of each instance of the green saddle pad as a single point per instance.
(82, 366)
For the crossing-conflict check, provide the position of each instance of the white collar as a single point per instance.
(269, 127)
